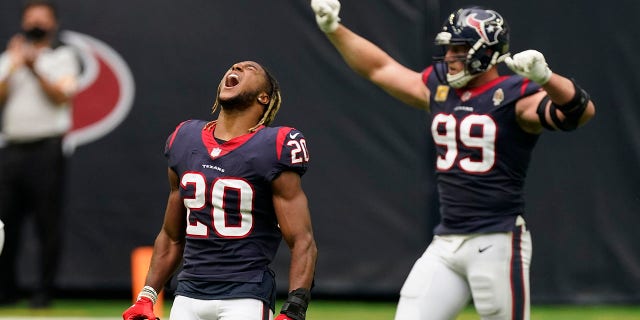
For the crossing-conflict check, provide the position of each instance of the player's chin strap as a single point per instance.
(571, 110)
(461, 79)
(296, 305)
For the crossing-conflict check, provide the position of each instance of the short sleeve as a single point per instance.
(292, 152)
(171, 139)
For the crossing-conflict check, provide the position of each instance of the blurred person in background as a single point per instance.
(235, 193)
(485, 126)
(38, 79)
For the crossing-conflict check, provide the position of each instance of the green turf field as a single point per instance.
(318, 310)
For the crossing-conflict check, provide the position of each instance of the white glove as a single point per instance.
(326, 14)
(530, 64)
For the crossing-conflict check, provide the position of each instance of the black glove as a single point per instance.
(296, 305)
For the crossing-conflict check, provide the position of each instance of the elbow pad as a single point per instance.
(571, 110)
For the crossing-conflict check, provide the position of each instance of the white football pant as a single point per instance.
(493, 269)
(185, 308)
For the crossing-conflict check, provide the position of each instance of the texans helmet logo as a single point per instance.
(489, 33)
(106, 90)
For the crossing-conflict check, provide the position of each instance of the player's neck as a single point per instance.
(234, 124)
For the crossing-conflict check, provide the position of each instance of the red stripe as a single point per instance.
(266, 312)
(483, 88)
(282, 134)
(210, 142)
(426, 73)
(175, 132)
(525, 83)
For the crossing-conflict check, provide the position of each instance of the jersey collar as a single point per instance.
(466, 94)
(217, 150)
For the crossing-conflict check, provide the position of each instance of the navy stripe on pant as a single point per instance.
(517, 276)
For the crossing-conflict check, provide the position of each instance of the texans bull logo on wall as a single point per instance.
(106, 90)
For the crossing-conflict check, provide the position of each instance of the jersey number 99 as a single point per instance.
(455, 137)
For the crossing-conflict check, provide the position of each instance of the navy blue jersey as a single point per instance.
(232, 231)
(482, 153)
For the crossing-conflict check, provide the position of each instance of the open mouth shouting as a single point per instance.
(232, 80)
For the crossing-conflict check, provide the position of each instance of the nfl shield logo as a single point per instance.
(215, 152)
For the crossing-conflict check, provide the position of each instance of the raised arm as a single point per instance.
(562, 105)
(368, 60)
(10, 60)
(61, 88)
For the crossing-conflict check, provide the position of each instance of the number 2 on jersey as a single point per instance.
(299, 153)
(219, 220)
(474, 132)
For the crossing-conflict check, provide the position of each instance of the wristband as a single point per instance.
(296, 305)
(150, 293)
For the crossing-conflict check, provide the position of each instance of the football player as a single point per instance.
(485, 126)
(235, 192)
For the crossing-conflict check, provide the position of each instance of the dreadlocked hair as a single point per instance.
(271, 109)
(274, 102)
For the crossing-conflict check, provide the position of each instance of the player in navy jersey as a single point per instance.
(485, 127)
(235, 192)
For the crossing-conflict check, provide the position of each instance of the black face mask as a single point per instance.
(35, 33)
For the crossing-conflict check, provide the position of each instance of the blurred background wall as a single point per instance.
(370, 184)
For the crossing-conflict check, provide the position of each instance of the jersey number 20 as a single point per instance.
(219, 219)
